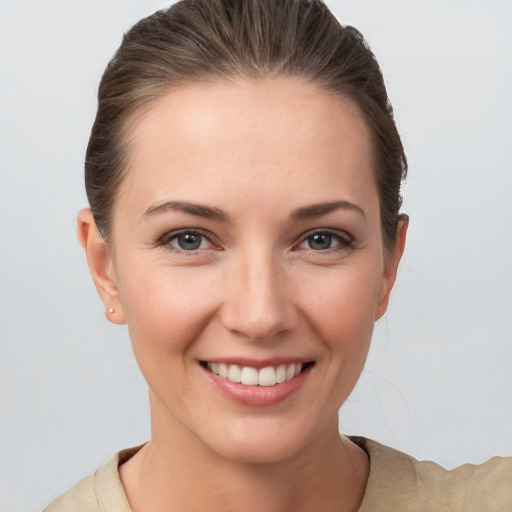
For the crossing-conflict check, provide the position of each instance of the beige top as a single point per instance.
(397, 483)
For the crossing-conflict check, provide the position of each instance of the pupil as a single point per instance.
(320, 241)
(189, 241)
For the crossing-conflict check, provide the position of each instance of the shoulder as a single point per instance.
(97, 492)
(403, 483)
(80, 498)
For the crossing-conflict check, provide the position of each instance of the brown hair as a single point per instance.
(204, 39)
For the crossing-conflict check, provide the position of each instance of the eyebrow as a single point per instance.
(319, 209)
(184, 206)
(209, 212)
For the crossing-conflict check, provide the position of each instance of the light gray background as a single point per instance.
(438, 382)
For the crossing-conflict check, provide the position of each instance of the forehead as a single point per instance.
(218, 137)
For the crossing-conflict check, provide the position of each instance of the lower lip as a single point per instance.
(257, 395)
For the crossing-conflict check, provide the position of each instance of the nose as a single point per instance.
(258, 304)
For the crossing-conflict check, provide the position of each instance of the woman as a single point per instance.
(243, 174)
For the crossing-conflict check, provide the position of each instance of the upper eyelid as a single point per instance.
(345, 240)
(170, 235)
(341, 233)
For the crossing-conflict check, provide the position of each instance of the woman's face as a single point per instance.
(246, 240)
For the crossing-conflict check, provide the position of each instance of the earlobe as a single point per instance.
(100, 265)
(391, 267)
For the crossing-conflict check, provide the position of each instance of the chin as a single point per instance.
(259, 453)
(261, 442)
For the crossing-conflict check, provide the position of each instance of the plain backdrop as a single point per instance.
(438, 382)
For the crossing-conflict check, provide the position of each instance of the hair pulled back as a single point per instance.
(206, 39)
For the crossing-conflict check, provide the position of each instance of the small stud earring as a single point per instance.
(111, 310)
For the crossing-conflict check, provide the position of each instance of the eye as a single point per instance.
(325, 240)
(186, 241)
(320, 241)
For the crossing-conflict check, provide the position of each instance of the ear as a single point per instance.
(391, 266)
(100, 266)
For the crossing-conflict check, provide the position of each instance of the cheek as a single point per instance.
(341, 307)
(166, 311)
(166, 308)
(340, 313)
(346, 297)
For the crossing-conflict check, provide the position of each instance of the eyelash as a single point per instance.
(344, 241)
(166, 240)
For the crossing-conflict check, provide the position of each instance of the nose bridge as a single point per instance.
(258, 304)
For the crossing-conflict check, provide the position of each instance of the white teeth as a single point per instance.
(223, 370)
(249, 376)
(267, 376)
(234, 373)
(281, 374)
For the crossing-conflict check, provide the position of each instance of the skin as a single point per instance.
(256, 153)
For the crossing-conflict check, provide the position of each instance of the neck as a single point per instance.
(175, 471)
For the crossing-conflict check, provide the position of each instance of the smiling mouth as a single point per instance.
(249, 376)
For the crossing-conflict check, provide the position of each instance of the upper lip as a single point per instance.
(257, 363)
